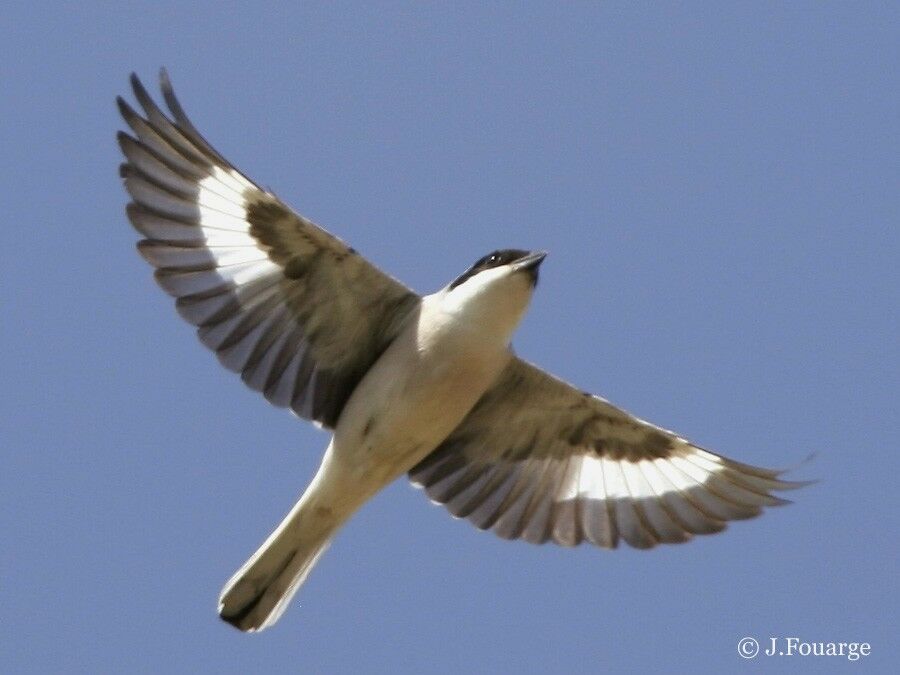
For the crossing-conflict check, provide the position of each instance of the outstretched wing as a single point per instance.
(539, 460)
(299, 314)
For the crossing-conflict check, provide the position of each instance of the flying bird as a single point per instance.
(424, 385)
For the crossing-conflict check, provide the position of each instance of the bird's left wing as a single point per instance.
(539, 460)
(299, 314)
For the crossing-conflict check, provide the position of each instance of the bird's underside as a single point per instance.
(302, 318)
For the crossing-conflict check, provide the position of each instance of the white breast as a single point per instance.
(417, 393)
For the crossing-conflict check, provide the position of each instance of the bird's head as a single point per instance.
(497, 288)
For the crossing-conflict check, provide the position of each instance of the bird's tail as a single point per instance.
(258, 593)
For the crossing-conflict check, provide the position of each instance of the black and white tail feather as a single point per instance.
(259, 592)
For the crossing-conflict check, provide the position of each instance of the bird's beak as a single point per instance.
(531, 261)
(529, 264)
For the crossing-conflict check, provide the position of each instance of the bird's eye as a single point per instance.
(494, 258)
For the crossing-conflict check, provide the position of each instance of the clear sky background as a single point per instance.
(717, 184)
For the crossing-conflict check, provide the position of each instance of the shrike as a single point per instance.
(425, 385)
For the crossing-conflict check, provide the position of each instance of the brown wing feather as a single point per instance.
(539, 460)
(299, 314)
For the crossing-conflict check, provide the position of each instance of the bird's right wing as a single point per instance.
(540, 460)
(299, 314)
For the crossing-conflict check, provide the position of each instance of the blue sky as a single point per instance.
(717, 184)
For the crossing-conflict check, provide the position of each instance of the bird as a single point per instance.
(422, 385)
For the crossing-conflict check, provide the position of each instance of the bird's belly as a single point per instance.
(408, 403)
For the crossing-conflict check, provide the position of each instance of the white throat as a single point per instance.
(491, 304)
